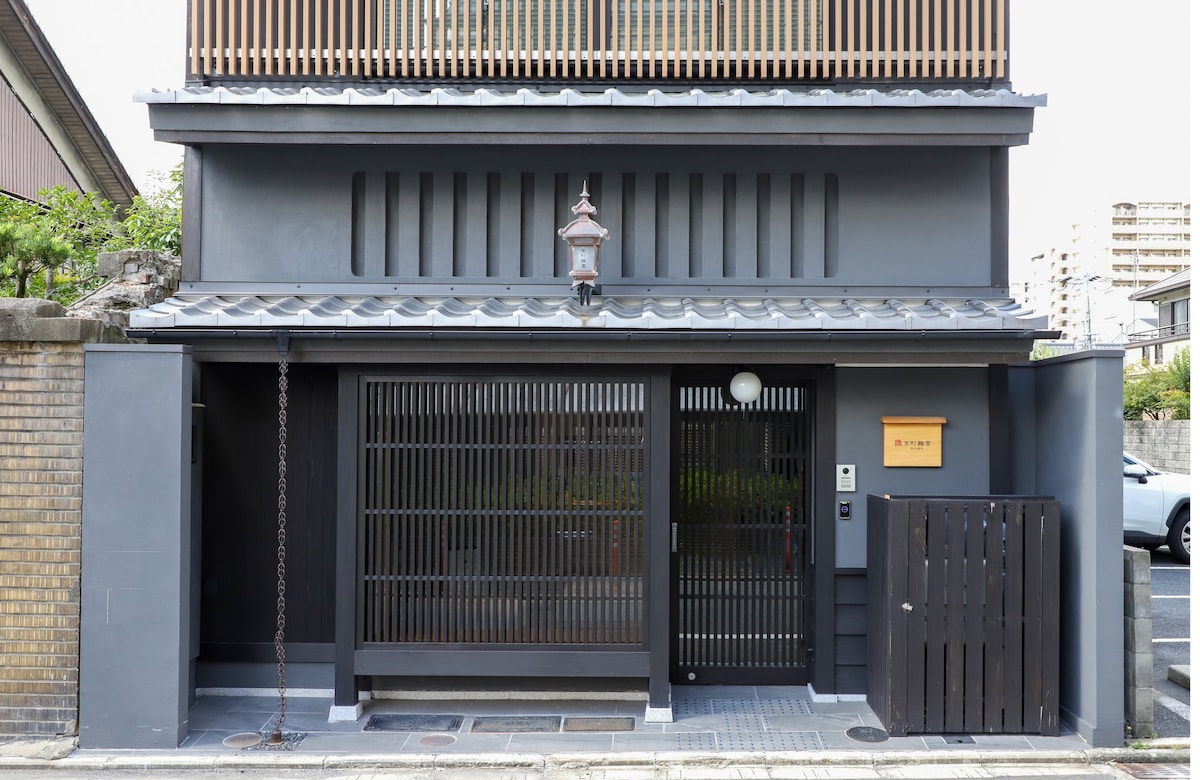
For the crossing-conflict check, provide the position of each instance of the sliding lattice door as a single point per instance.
(499, 512)
(739, 538)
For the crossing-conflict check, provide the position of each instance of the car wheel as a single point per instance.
(1180, 536)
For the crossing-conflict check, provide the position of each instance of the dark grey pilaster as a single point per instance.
(658, 565)
(134, 621)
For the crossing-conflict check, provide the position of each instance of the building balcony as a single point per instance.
(955, 43)
(1173, 332)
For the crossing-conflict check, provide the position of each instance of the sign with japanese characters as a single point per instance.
(912, 441)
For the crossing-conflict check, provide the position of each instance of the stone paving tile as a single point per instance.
(732, 718)
(561, 743)
(640, 742)
(382, 742)
(309, 723)
(229, 721)
(812, 722)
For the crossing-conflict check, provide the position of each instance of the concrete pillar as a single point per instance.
(134, 619)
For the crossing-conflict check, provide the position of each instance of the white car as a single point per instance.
(1157, 509)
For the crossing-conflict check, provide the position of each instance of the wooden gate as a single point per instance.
(964, 596)
(738, 539)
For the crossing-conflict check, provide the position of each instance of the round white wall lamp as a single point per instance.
(745, 387)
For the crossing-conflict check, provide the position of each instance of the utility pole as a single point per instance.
(1086, 280)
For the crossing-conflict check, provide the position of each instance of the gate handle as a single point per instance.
(674, 537)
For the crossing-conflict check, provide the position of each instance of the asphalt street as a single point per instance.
(1170, 588)
(910, 772)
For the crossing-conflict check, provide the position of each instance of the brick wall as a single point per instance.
(41, 488)
(41, 469)
(1164, 444)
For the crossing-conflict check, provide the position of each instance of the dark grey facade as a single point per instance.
(399, 248)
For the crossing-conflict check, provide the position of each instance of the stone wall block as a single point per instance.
(1139, 648)
(1164, 444)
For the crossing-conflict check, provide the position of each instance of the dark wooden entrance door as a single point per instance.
(739, 538)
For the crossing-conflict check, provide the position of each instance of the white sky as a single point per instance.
(1116, 73)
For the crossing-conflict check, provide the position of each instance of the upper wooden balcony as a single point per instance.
(817, 42)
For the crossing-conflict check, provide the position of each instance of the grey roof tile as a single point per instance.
(771, 314)
(653, 97)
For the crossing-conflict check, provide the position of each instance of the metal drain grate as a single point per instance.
(535, 724)
(958, 739)
(866, 734)
(290, 742)
(404, 722)
(598, 724)
(1156, 771)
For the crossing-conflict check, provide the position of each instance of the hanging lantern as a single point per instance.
(583, 236)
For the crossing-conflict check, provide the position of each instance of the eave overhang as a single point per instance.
(197, 115)
(641, 331)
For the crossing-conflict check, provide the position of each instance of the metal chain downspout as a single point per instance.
(277, 733)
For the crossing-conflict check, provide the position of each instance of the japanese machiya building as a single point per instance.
(563, 343)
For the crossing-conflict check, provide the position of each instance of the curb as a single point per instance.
(567, 761)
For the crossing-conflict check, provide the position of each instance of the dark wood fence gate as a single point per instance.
(964, 599)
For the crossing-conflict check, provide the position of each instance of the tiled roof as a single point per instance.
(687, 314)
(651, 98)
(1176, 281)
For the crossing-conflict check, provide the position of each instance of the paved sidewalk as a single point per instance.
(718, 731)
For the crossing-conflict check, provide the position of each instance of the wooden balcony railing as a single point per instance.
(598, 40)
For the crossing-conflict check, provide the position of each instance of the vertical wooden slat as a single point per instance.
(987, 47)
(1001, 11)
(220, 25)
(826, 43)
(926, 42)
(943, 36)
(956, 593)
(935, 618)
(591, 51)
(294, 41)
(306, 23)
(244, 41)
(949, 53)
(963, 40)
(918, 560)
(913, 40)
(274, 31)
(889, 37)
(973, 667)
(1050, 604)
(995, 676)
(973, 63)
(1014, 599)
(842, 47)
(861, 48)
(877, 49)
(198, 56)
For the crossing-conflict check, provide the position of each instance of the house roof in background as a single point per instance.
(42, 72)
(1180, 280)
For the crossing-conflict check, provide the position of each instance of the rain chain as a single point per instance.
(277, 733)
